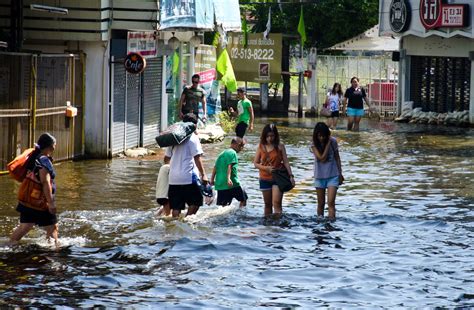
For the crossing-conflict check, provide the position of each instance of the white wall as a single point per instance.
(97, 98)
(438, 46)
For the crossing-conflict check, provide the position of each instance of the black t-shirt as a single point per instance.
(355, 97)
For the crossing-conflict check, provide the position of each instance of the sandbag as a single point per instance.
(176, 134)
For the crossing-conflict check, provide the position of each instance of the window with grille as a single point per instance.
(440, 84)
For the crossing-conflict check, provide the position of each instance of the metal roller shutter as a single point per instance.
(440, 84)
(152, 100)
(132, 109)
(118, 109)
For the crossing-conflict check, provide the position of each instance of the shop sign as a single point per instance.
(435, 14)
(134, 63)
(259, 61)
(454, 15)
(400, 15)
(143, 42)
(430, 11)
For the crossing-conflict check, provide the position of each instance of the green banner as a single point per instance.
(260, 61)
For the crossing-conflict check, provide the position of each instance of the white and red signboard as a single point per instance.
(453, 15)
(436, 14)
(142, 42)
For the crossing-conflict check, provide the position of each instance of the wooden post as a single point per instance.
(264, 97)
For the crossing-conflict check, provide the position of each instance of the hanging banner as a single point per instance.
(186, 14)
(142, 42)
(260, 61)
(228, 15)
(205, 66)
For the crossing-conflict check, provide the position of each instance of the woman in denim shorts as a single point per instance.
(354, 98)
(327, 169)
(271, 154)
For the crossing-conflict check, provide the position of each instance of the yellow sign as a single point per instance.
(260, 61)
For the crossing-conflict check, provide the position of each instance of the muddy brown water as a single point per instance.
(403, 235)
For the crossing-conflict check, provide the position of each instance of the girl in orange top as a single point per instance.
(271, 154)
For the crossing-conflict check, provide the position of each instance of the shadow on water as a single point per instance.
(405, 218)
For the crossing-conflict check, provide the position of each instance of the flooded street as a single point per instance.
(403, 235)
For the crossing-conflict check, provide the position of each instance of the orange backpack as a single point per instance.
(17, 168)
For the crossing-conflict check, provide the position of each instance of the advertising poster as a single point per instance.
(186, 14)
(205, 66)
(260, 61)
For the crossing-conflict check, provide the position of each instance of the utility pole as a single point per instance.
(300, 83)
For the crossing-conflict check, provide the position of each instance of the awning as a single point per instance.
(369, 40)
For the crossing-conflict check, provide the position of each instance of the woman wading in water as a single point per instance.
(271, 154)
(327, 169)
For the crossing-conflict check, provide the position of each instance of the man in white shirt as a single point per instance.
(186, 173)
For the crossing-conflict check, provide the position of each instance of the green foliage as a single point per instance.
(327, 21)
(226, 121)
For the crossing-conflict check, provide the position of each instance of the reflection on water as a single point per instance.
(402, 238)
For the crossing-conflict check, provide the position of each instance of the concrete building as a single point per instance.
(436, 55)
(122, 110)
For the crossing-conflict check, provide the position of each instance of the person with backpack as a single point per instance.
(185, 165)
(327, 169)
(36, 194)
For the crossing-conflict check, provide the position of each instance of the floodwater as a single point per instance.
(403, 235)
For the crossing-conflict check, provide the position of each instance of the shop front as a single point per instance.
(436, 55)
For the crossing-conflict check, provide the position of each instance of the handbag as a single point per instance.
(325, 111)
(31, 193)
(282, 179)
(336, 155)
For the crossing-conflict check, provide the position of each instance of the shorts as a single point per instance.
(180, 195)
(240, 129)
(266, 185)
(335, 114)
(355, 112)
(40, 218)
(162, 201)
(325, 183)
(224, 197)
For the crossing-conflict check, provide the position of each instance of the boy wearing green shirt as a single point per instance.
(244, 113)
(224, 176)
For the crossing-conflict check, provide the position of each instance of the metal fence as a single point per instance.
(34, 92)
(377, 74)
